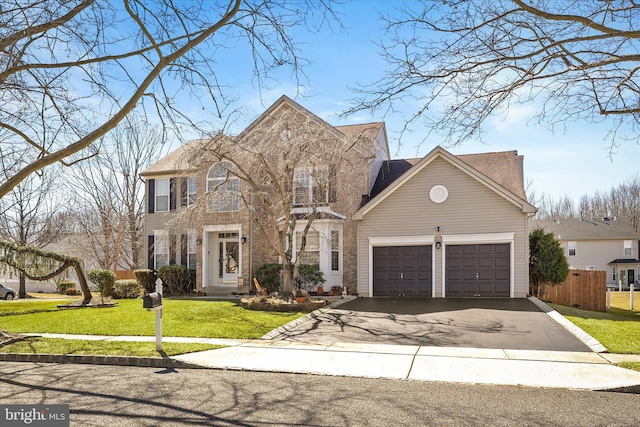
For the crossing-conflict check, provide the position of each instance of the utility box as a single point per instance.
(152, 300)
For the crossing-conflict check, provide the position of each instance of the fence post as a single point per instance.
(608, 298)
(631, 296)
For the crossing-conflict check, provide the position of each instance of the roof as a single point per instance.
(587, 229)
(504, 167)
(625, 261)
(500, 171)
(368, 130)
(176, 161)
(179, 160)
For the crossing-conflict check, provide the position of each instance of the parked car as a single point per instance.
(7, 293)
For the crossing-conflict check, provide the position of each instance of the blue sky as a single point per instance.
(572, 161)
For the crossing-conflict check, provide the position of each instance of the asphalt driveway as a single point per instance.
(461, 322)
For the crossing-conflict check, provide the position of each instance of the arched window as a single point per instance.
(222, 184)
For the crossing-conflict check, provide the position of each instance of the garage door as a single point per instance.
(402, 271)
(478, 270)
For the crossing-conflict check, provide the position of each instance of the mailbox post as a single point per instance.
(153, 301)
(159, 316)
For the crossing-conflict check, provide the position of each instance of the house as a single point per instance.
(439, 226)
(608, 244)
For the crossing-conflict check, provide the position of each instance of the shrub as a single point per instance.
(104, 279)
(178, 279)
(126, 288)
(309, 275)
(147, 279)
(268, 276)
(71, 291)
(64, 285)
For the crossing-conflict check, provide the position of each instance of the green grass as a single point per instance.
(101, 348)
(181, 317)
(618, 330)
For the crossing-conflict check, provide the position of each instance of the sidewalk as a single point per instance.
(570, 370)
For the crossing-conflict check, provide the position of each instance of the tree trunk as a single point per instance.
(22, 290)
(83, 284)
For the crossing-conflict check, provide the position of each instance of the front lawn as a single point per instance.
(181, 318)
(618, 330)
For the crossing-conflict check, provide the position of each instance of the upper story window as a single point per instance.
(162, 195)
(314, 186)
(572, 248)
(223, 184)
(628, 247)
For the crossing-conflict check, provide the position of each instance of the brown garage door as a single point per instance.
(478, 270)
(402, 271)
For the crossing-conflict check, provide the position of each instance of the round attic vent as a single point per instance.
(438, 193)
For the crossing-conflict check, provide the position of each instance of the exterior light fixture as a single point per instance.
(438, 240)
(243, 239)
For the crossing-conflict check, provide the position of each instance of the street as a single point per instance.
(127, 396)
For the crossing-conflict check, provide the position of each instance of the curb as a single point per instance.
(285, 328)
(141, 362)
(587, 339)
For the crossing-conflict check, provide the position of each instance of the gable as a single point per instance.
(469, 204)
(397, 173)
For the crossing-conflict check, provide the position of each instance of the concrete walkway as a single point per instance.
(569, 370)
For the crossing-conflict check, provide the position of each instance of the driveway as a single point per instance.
(460, 322)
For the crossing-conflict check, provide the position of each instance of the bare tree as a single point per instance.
(71, 70)
(27, 216)
(622, 201)
(556, 208)
(458, 62)
(282, 171)
(109, 201)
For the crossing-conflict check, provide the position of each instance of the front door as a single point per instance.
(631, 277)
(228, 261)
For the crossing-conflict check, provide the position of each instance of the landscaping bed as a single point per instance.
(280, 305)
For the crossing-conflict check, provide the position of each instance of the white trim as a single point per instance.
(403, 241)
(476, 239)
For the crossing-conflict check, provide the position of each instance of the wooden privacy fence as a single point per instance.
(584, 289)
(125, 274)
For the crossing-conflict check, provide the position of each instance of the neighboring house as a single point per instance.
(439, 226)
(606, 244)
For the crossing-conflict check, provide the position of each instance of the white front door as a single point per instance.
(228, 260)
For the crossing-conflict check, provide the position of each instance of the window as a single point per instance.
(161, 250)
(223, 186)
(311, 254)
(313, 186)
(191, 251)
(192, 187)
(572, 248)
(335, 251)
(162, 195)
(628, 247)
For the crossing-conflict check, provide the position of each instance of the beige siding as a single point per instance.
(471, 209)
